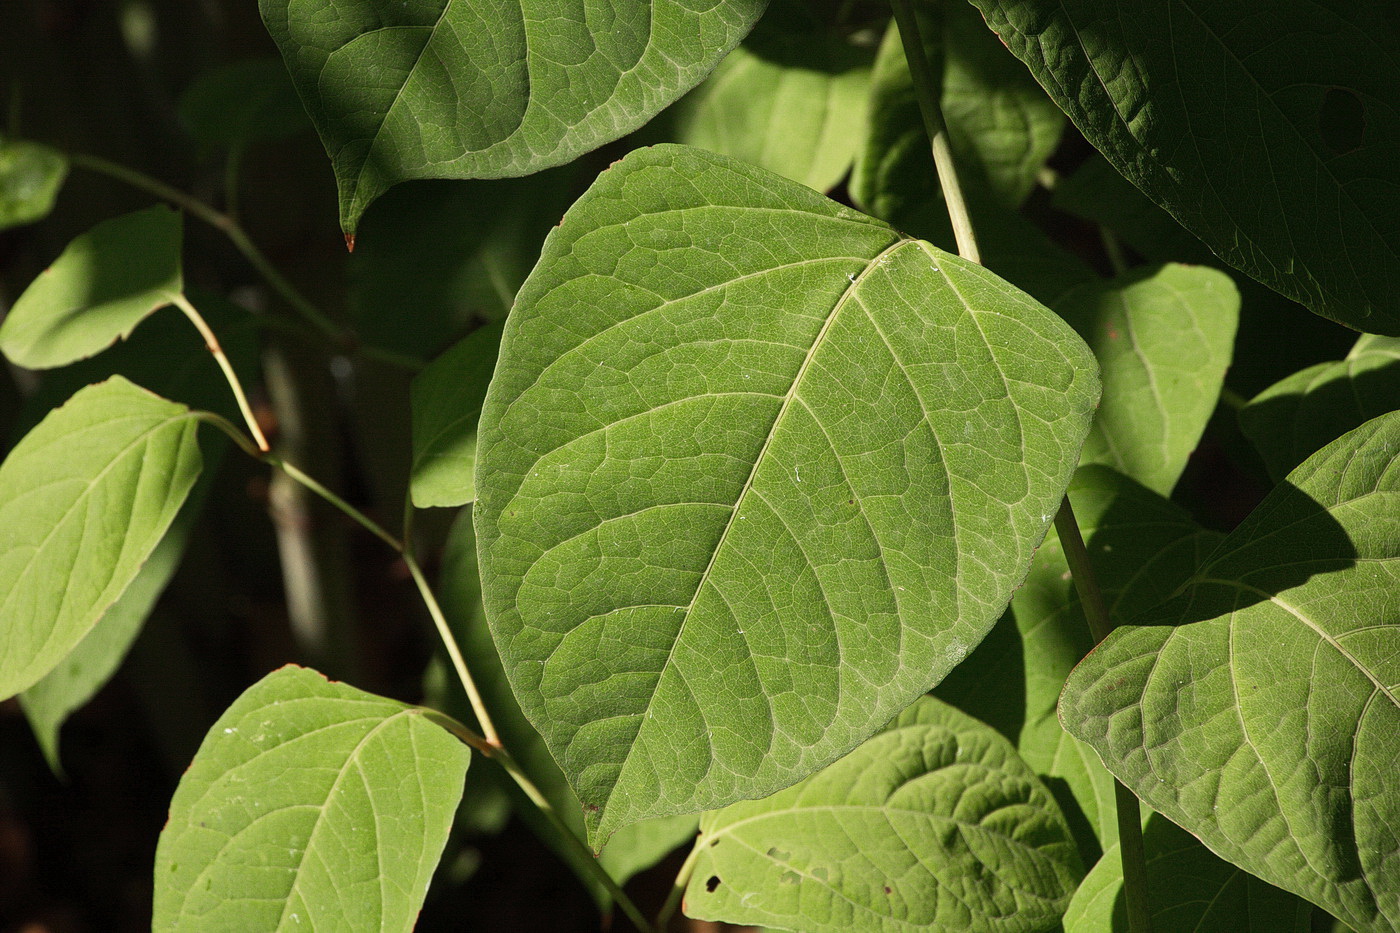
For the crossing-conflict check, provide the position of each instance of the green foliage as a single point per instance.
(706, 546)
(311, 805)
(471, 89)
(738, 473)
(934, 823)
(84, 500)
(1300, 193)
(106, 282)
(1257, 708)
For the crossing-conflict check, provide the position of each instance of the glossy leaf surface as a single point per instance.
(310, 806)
(1258, 708)
(1299, 415)
(31, 175)
(934, 823)
(106, 282)
(1192, 891)
(1302, 194)
(447, 399)
(1163, 336)
(403, 89)
(754, 472)
(84, 500)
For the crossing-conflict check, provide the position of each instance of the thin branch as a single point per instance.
(212, 343)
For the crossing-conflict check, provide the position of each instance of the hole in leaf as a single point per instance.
(712, 883)
(819, 873)
(1341, 120)
(889, 890)
(777, 854)
(789, 877)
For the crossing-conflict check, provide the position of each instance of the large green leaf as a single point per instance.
(106, 282)
(793, 104)
(1163, 336)
(1191, 890)
(31, 176)
(754, 472)
(1142, 547)
(1258, 708)
(934, 824)
(447, 399)
(1297, 416)
(402, 89)
(631, 849)
(310, 806)
(1267, 129)
(84, 500)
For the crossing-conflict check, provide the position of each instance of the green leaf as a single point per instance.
(754, 473)
(1163, 336)
(935, 823)
(447, 399)
(84, 500)
(1292, 418)
(477, 89)
(1258, 708)
(794, 104)
(1001, 125)
(1142, 547)
(106, 282)
(631, 849)
(1302, 194)
(31, 176)
(243, 102)
(1191, 891)
(310, 806)
(92, 662)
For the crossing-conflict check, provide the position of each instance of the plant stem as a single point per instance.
(212, 343)
(673, 900)
(926, 87)
(1130, 846)
(1112, 248)
(343, 340)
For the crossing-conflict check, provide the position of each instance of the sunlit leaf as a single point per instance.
(934, 824)
(1191, 890)
(754, 472)
(402, 89)
(84, 500)
(1258, 708)
(1269, 130)
(447, 399)
(31, 176)
(106, 282)
(793, 104)
(632, 848)
(1295, 417)
(310, 806)
(1163, 336)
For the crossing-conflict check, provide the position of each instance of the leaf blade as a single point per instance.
(605, 438)
(84, 499)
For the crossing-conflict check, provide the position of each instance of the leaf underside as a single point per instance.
(756, 473)
(1259, 709)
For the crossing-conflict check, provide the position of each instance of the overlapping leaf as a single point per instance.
(1258, 709)
(1163, 336)
(84, 500)
(1191, 891)
(935, 823)
(478, 89)
(1142, 547)
(106, 282)
(1267, 129)
(1299, 415)
(754, 472)
(241, 103)
(447, 399)
(310, 806)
